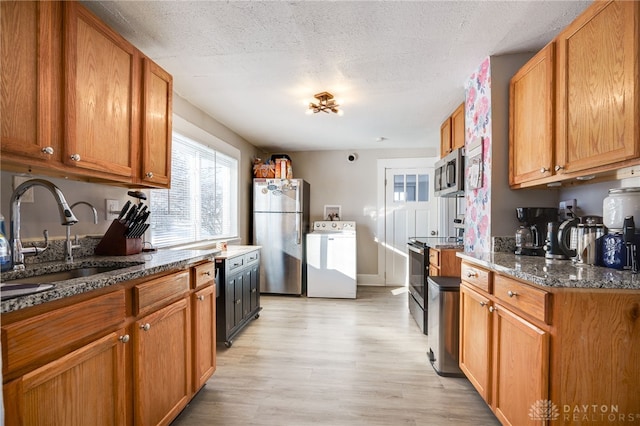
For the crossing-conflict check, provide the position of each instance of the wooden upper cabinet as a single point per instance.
(156, 125)
(531, 131)
(597, 88)
(30, 79)
(102, 73)
(445, 137)
(457, 127)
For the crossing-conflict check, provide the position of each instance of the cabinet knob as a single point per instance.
(544, 169)
(47, 150)
(145, 326)
(75, 157)
(483, 303)
(492, 308)
(253, 290)
(201, 298)
(511, 293)
(239, 301)
(208, 273)
(558, 168)
(471, 274)
(124, 339)
(149, 175)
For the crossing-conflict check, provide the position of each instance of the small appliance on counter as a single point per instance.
(579, 238)
(530, 235)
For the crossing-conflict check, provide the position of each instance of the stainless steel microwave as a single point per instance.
(449, 175)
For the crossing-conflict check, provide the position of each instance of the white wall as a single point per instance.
(334, 181)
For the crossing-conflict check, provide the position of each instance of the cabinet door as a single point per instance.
(246, 293)
(162, 364)
(156, 125)
(475, 339)
(30, 79)
(102, 72)
(520, 368)
(531, 131)
(457, 127)
(204, 335)
(84, 387)
(445, 137)
(597, 96)
(255, 288)
(238, 295)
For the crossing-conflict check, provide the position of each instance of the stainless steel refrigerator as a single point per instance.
(280, 225)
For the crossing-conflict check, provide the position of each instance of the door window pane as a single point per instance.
(398, 188)
(423, 187)
(411, 188)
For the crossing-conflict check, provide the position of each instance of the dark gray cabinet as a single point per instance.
(239, 299)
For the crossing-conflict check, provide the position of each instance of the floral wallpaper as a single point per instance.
(477, 236)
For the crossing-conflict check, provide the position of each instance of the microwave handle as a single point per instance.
(451, 174)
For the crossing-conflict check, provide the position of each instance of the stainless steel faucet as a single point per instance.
(69, 246)
(66, 218)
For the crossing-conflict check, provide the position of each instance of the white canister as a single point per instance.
(620, 203)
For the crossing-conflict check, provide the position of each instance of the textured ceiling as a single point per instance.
(398, 66)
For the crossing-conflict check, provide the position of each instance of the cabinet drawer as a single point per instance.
(203, 274)
(40, 337)
(527, 299)
(252, 257)
(153, 294)
(235, 262)
(476, 276)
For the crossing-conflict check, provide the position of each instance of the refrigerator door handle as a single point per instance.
(298, 230)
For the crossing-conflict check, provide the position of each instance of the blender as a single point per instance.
(530, 236)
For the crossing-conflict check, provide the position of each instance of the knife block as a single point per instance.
(114, 243)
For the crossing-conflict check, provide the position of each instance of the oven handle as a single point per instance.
(416, 249)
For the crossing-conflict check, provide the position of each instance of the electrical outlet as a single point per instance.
(112, 209)
(567, 209)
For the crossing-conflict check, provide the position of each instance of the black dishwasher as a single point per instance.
(443, 307)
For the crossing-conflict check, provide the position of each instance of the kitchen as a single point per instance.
(357, 204)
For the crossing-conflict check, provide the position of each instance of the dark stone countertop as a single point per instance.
(134, 266)
(554, 273)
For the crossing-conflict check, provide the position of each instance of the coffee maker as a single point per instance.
(530, 236)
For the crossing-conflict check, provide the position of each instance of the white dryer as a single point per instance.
(331, 260)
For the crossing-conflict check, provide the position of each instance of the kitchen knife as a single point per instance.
(124, 210)
(130, 215)
(138, 217)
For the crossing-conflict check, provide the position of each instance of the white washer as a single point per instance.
(331, 260)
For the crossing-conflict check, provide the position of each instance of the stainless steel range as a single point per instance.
(419, 271)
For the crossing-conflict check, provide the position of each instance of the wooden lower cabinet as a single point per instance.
(504, 355)
(161, 365)
(475, 339)
(520, 367)
(204, 335)
(84, 387)
(550, 355)
(112, 365)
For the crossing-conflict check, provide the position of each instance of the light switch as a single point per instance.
(112, 209)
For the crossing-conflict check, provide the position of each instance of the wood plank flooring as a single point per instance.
(336, 362)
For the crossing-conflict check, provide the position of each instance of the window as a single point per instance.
(410, 188)
(202, 202)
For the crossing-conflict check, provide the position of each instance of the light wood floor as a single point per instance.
(336, 362)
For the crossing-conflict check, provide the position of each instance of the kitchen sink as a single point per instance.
(50, 277)
(45, 281)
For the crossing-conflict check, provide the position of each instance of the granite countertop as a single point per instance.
(134, 266)
(554, 273)
(233, 251)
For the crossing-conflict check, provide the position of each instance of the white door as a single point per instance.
(411, 210)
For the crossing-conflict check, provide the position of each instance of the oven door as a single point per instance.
(417, 272)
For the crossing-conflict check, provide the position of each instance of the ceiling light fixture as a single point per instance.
(325, 103)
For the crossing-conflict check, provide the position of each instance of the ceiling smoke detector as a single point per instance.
(325, 103)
